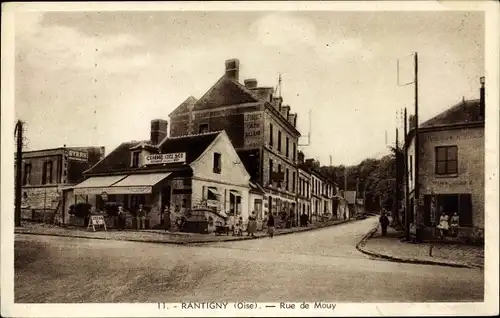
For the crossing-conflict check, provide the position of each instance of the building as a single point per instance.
(45, 172)
(180, 173)
(304, 191)
(261, 128)
(451, 169)
(323, 190)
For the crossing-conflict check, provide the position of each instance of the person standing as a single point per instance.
(252, 224)
(384, 223)
(454, 223)
(121, 218)
(166, 218)
(141, 217)
(270, 225)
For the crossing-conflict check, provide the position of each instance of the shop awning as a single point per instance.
(213, 191)
(95, 185)
(235, 193)
(138, 183)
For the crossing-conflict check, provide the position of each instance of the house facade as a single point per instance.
(451, 170)
(304, 191)
(45, 172)
(261, 128)
(178, 173)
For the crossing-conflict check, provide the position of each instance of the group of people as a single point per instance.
(446, 224)
(140, 217)
(251, 229)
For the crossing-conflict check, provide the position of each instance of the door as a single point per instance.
(257, 205)
(165, 202)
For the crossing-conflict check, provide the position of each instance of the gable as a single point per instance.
(186, 106)
(225, 92)
(118, 159)
(232, 169)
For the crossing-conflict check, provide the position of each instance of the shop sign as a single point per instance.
(212, 203)
(253, 129)
(178, 157)
(113, 190)
(78, 155)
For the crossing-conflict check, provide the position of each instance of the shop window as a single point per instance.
(27, 173)
(135, 159)
(446, 160)
(203, 128)
(271, 135)
(217, 164)
(279, 141)
(234, 202)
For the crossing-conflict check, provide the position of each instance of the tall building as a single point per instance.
(261, 128)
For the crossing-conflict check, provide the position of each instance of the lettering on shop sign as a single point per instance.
(178, 157)
(253, 129)
(452, 137)
(97, 220)
(445, 183)
(78, 155)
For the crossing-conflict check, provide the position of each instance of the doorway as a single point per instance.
(165, 202)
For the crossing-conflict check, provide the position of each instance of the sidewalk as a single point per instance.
(154, 236)
(392, 248)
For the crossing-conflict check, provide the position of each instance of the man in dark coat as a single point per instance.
(384, 223)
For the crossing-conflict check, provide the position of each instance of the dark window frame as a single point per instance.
(447, 170)
(217, 162)
(279, 140)
(270, 134)
(287, 179)
(200, 126)
(27, 173)
(287, 147)
(135, 159)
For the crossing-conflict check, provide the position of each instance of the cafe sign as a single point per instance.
(157, 159)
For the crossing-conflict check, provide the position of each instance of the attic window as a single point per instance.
(135, 159)
(217, 163)
(203, 128)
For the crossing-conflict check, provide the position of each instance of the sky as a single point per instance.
(99, 78)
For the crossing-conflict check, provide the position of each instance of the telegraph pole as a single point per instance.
(19, 160)
(397, 196)
(417, 155)
(407, 186)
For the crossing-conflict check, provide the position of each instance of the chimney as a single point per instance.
(482, 96)
(250, 83)
(159, 130)
(285, 110)
(292, 118)
(300, 157)
(233, 69)
(277, 101)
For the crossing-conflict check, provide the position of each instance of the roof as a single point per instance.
(224, 92)
(185, 106)
(466, 111)
(119, 160)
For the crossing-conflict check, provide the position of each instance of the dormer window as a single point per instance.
(217, 163)
(135, 159)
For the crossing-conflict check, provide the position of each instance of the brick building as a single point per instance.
(46, 172)
(451, 169)
(261, 128)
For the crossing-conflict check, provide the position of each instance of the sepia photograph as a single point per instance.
(280, 158)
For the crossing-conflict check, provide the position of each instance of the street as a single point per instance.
(319, 265)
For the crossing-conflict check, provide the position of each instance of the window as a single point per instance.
(135, 159)
(287, 147)
(27, 173)
(271, 135)
(270, 205)
(287, 175)
(49, 172)
(217, 162)
(203, 128)
(294, 149)
(234, 202)
(293, 181)
(270, 171)
(446, 160)
(212, 194)
(279, 171)
(411, 168)
(279, 140)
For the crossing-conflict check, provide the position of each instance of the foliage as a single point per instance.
(80, 210)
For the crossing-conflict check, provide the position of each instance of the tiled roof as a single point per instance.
(185, 106)
(225, 92)
(119, 159)
(466, 111)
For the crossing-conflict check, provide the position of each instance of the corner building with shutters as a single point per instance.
(261, 128)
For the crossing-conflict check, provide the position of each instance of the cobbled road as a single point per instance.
(319, 265)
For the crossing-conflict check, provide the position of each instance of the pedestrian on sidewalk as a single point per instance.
(121, 218)
(270, 225)
(141, 217)
(384, 223)
(252, 224)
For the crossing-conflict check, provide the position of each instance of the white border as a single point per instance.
(489, 307)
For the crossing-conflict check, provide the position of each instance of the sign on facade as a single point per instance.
(97, 220)
(78, 155)
(253, 129)
(212, 203)
(178, 157)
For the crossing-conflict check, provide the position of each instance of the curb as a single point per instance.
(173, 242)
(403, 260)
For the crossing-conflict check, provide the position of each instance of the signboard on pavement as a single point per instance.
(97, 220)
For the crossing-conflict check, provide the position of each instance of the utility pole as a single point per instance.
(19, 160)
(407, 185)
(397, 196)
(417, 155)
